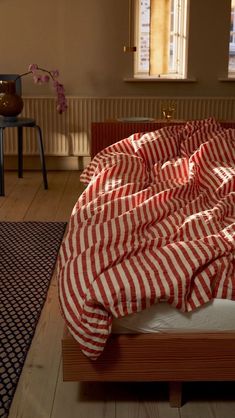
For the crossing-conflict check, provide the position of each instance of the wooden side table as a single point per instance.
(107, 133)
(19, 123)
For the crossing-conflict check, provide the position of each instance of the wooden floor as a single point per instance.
(41, 392)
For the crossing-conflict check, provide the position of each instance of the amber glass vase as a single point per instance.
(11, 104)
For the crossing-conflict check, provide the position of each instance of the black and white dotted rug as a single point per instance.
(28, 253)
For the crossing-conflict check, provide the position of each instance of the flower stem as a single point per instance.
(21, 75)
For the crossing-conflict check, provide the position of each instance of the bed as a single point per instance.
(135, 170)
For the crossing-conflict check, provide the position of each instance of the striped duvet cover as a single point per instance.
(155, 223)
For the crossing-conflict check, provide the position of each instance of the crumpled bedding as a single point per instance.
(155, 223)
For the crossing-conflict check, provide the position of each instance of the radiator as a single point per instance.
(69, 134)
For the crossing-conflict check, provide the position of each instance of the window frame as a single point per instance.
(181, 54)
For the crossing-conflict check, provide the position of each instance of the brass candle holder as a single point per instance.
(168, 111)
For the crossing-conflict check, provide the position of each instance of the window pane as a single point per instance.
(171, 46)
(144, 29)
(231, 68)
(161, 38)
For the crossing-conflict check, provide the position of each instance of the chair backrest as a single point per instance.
(6, 77)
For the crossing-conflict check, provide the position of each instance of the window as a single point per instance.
(161, 38)
(231, 65)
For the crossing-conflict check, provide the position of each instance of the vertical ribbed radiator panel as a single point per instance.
(69, 133)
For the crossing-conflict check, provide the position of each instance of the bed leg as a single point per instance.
(175, 394)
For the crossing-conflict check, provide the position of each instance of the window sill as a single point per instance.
(227, 79)
(159, 80)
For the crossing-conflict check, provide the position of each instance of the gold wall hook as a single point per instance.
(129, 48)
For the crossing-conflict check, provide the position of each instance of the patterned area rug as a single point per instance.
(28, 253)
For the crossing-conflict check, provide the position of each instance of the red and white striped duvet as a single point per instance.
(150, 228)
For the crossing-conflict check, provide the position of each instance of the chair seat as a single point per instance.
(16, 122)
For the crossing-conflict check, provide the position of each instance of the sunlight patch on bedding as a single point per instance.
(224, 173)
(112, 184)
(229, 233)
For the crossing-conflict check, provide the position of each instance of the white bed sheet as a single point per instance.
(217, 314)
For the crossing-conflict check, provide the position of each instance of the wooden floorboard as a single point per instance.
(82, 400)
(70, 195)
(19, 197)
(45, 205)
(10, 181)
(35, 392)
(41, 393)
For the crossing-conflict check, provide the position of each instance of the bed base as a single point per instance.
(173, 357)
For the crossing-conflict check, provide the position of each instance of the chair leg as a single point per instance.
(20, 151)
(1, 163)
(42, 157)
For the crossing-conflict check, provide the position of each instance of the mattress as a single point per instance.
(216, 315)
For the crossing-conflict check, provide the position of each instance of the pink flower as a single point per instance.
(33, 67)
(61, 107)
(45, 78)
(38, 78)
(59, 87)
(54, 73)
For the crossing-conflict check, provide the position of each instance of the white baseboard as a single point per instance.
(52, 162)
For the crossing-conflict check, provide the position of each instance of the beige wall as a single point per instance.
(84, 39)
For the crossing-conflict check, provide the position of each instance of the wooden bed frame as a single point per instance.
(171, 357)
(174, 357)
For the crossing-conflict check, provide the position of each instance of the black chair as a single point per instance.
(19, 123)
